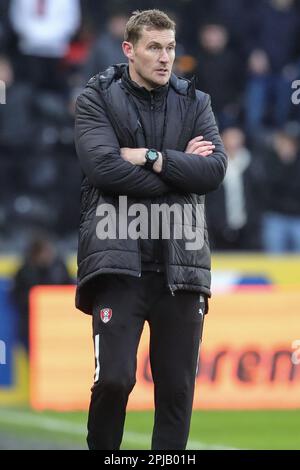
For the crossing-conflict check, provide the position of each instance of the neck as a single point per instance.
(135, 77)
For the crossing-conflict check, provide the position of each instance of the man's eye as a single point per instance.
(154, 48)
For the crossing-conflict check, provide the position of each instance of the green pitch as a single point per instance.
(21, 428)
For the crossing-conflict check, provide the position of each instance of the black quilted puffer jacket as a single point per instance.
(106, 120)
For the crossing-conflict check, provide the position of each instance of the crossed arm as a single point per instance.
(100, 157)
(197, 146)
(118, 170)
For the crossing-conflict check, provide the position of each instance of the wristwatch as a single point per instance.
(151, 157)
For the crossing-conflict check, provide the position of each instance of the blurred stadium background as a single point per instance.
(247, 56)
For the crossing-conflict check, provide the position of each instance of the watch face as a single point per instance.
(152, 155)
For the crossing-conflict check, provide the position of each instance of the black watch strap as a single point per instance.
(151, 157)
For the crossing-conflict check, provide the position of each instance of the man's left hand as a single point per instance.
(134, 156)
(138, 157)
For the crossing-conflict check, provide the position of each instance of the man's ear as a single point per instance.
(128, 49)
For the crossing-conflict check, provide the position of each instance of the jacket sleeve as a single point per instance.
(98, 151)
(193, 173)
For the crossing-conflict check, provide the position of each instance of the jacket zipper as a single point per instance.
(168, 271)
(155, 245)
(152, 109)
(153, 135)
(166, 264)
(140, 257)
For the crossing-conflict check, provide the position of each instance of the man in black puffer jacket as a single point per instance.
(147, 143)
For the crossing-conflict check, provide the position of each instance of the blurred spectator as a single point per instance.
(4, 27)
(273, 40)
(280, 181)
(42, 266)
(17, 112)
(32, 188)
(93, 15)
(235, 15)
(232, 14)
(45, 29)
(232, 210)
(48, 199)
(17, 131)
(219, 72)
(107, 49)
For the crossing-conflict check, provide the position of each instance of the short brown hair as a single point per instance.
(151, 19)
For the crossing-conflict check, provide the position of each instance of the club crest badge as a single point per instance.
(105, 314)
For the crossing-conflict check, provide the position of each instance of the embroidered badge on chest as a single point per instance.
(105, 314)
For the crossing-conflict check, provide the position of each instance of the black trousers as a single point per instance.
(121, 307)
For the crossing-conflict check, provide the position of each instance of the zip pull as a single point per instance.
(172, 291)
(151, 101)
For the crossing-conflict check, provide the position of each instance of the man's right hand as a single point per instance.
(198, 146)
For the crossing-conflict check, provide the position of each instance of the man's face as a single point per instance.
(151, 58)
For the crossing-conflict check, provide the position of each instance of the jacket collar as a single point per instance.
(140, 91)
(103, 80)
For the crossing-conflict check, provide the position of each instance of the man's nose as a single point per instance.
(164, 56)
